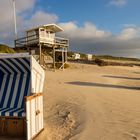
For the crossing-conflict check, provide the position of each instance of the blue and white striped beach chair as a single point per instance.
(21, 82)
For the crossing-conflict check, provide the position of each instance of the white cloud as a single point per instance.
(41, 18)
(23, 8)
(129, 25)
(118, 3)
(88, 31)
(89, 39)
(6, 14)
(23, 5)
(129, 33)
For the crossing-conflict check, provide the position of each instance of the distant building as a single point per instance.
(89, 56)
(76, 56)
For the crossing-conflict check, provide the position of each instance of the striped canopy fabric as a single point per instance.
(15, 84)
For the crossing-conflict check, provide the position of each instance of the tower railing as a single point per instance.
(35, 39)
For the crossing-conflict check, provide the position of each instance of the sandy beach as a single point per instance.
(88, 52)
(88, 102)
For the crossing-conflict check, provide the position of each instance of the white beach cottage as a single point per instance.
(21, 98)
(76, 56)
(89, 56)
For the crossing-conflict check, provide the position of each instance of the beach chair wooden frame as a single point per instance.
(21, 98)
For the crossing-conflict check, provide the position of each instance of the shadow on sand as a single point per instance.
(121, 77)
(78, 83)
(137, 72)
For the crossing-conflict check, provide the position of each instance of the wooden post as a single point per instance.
(40, 57)
(63, 58)
(54, 57)
(66, 55)
(28, 49)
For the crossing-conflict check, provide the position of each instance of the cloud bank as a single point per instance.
(90, 39)
(87, 38)
(26, 18)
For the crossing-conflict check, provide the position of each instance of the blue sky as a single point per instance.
(101, 12)
(109, 27)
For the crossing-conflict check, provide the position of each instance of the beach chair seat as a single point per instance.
(12, 112)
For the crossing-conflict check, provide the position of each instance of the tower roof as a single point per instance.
(53, 27)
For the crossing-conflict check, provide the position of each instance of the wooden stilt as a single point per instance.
(63, 58)
(66, 55)
(40, 57)
(54, 57)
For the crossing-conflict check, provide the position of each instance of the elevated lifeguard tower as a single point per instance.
(44, 38)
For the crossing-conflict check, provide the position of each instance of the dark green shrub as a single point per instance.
(100, 62)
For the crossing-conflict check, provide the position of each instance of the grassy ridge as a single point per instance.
(6, 49)
(107, 57)
(115, 58)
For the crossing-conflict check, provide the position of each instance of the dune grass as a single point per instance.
(6, 49)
